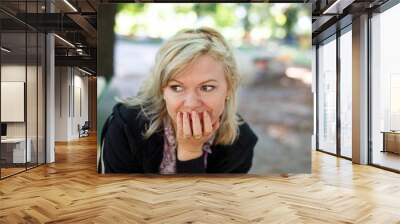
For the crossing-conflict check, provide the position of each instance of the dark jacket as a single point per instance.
(124, 149)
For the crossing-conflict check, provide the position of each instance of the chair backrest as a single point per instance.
(86, 125)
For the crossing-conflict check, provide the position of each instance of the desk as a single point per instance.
(15, 148)
(391, 141)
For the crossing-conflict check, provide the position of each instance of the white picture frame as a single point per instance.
(12, 101)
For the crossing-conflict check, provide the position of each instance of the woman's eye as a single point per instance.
(176, 88)
(207, 88)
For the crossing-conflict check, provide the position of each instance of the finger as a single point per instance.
(187, 132)
(207, 123)
(196, 124)
(216, 125)
(179, 131)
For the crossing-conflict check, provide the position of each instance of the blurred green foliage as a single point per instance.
(134, 8)
(225, 14)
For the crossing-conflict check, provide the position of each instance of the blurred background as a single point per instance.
(272, 45)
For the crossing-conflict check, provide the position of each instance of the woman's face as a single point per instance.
(200, 87)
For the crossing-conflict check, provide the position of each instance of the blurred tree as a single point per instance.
(202, 9)
(134, 8)
(246, 21)
(251, 20)
(225, 15)
(184, 8)
(291, 19)
(129, 10)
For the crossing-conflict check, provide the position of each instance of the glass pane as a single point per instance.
(31, 87)
(41, 98)
(13, 85)
(386, 89)
(23, 90)
(31, 101)
(346, 94)
(327, 97)
(17, 8)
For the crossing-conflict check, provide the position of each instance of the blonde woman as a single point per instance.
(184, 118)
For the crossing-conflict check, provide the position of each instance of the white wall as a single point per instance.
(33, 126)
(14, 73)
(61, 103)
(70, 83)
(17, 73)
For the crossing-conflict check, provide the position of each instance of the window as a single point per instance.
(346, 94)
(22, 76)
(327, 96)
(385, 89)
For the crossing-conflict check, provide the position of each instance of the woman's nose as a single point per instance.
(192, 100)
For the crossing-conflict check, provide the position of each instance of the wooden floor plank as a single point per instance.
(71, 191)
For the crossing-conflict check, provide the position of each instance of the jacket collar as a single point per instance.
(153, 153)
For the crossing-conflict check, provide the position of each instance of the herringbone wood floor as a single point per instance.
(70, 191)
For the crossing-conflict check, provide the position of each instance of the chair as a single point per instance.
(84, 130)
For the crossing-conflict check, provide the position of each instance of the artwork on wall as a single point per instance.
(12, 101)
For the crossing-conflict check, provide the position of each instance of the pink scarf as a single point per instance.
(168, 164)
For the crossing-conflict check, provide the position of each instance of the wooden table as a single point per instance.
(391, 141)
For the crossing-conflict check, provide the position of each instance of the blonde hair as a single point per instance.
(174, 55)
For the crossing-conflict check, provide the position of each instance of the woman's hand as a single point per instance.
(193, 130)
